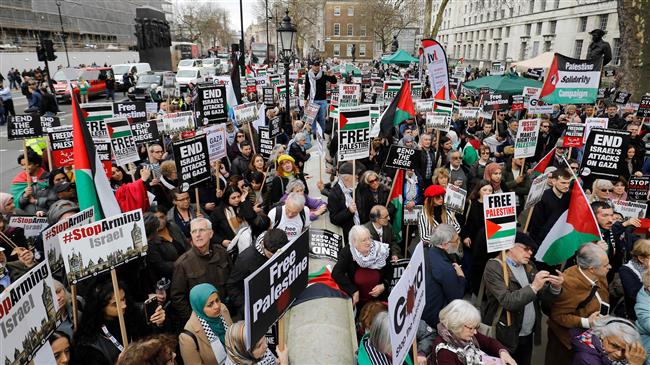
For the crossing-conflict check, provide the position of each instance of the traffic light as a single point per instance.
(40, 52)
(48, 47)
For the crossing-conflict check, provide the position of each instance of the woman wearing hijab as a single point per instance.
(362, 269)
(493, 174)
(260, 354)
(202, 341)
(435, 212)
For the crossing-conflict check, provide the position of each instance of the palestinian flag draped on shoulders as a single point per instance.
(399, 110)
(575, 227)
(93, 188)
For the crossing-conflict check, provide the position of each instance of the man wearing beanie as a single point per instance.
(343, 210)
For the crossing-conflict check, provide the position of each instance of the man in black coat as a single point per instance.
(381, 230)
(554, 202)
(341, 206)
(316, 91)
(251, 259)
(241, 162)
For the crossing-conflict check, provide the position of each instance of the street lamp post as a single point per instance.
(64, 36)
(287, 31)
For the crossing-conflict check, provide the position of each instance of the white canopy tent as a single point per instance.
(543, 60)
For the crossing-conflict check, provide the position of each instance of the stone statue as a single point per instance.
(394, 45)
(599, 47)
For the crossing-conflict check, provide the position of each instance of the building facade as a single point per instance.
(87, 23)
(343, 28)
(490, 31)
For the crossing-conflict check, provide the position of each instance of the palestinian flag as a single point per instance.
(443, 106)
(500, 227)
(440, 95)
(541, 166)
(353, 120)
(235, 82)
(396, 198)
(97, 111)
(576, 226)
(93, 188)
(399, 110)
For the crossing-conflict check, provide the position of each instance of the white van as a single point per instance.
(189, 63)
(121, 69)
(188, 75)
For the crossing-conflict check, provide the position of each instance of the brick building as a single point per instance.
(343, 28)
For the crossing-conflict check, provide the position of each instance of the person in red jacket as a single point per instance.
(459, 342)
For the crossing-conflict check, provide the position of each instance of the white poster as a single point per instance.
(438, 121)
(526, 141)
(32, 225)
(177, 122)
(51, 240)
(455, 198)
(28, 315)
(537, 189)
(217, 141)
(245, 113)
(405, 306)
(434, 55)
(354, 133)
(349, 95)
(100, 246)
(591, 123)
(630, 209)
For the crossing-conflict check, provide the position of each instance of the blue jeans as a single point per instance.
(320, 117)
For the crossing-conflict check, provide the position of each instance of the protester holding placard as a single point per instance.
(517, 180)
(98, 338)
(435, 212)
(471, 232)
(29, 185)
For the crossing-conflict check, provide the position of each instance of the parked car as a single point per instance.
(187, 76)
(189, 63)
(147, 82)
(121, 69)
(95, 76)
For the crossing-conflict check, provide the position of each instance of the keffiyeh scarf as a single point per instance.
(376, 258)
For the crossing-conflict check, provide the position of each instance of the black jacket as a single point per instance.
(161, 254)
(339, 213)
(279, 186)
(247, 262)
(48, 104)
(365, 200)
(299, 154)
(321, 86)
(240, 166)
(222, 231)
(546, 213)
(598, 48)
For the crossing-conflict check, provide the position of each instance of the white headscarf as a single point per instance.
(312, 83)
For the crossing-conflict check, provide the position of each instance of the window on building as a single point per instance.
(603, 21)
(488, 16)
(547, 46)
(482, 51)
(542, 5)
(522, 51)
(531, 6)
(503, 13)
(498, 33)
(582, 24)
(362, 50)
(350, 30)
(552, 25)
(474, 19)
(557, 4)
(528, 28)
(348, 51)
(481, 17)
(362, 31)
(337, 50)
(489, 50)
(535, 48)
(350, 11)
(512, 12)
(507, 32)
(617, 51)
(337, 10)
(494, 16)
(491, 33)
(577, 50)
(538, 28)
(505, 51)
(337, 29)
(496, 51)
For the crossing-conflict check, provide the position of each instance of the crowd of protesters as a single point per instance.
(257, 205)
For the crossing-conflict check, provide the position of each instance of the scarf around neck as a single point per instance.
(376, 258)
(214, 327)
(468, 352)
(347, 192)
(312, 83)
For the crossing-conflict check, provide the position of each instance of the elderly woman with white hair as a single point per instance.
(375, 346)
(298, 151)
(363, 269)
(610, 340)
(316, 206)
(460, 343)
(601, 190)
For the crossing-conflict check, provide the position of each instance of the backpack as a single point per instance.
(278, 217)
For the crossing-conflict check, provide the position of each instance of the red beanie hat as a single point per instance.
(434, 190)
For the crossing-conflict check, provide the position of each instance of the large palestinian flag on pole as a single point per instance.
(399, 110)
(93, 188)
(575, 227)
(572, 81)
(396, 198)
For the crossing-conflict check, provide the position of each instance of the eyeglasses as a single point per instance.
(606, 190)
(370, 181)
(456, 158)
(240, 136)
(525, 248)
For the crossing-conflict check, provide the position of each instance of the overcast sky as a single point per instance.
(232, 6)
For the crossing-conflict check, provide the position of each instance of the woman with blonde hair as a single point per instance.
(238, 354)
(601, 191)
(440, 177)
